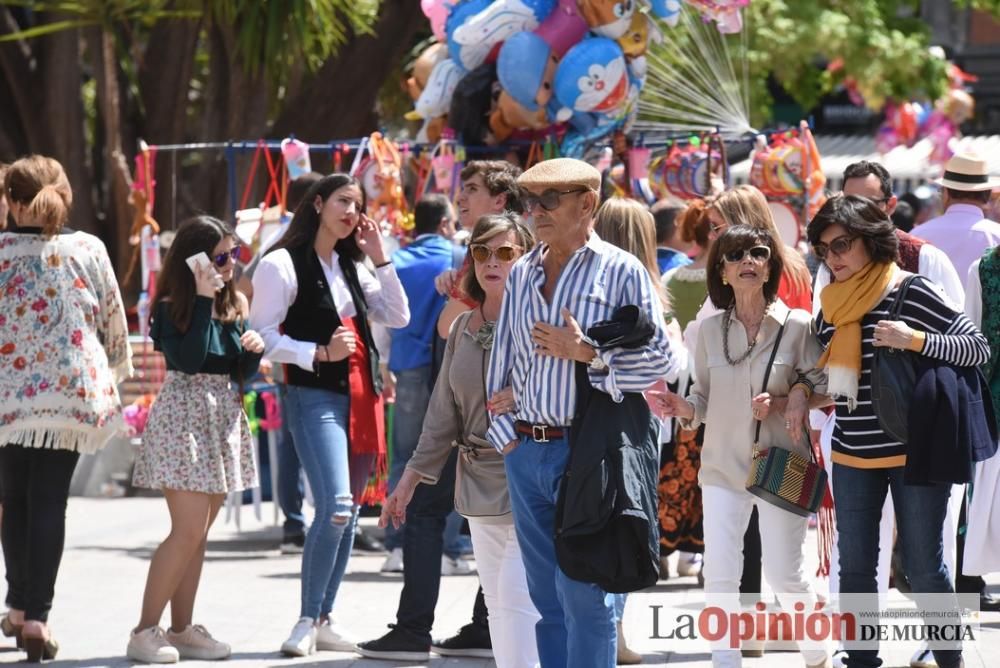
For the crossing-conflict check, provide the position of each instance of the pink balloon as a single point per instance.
(563, 28)
(437, 12)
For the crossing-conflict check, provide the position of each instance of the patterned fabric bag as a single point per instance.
(781, 477)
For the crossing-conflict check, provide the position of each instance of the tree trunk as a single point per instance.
(45, 107)
(339, 101)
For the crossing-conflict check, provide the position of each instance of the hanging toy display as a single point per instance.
(788, 171)
(380, 174)
(296, 155)
(692, 171)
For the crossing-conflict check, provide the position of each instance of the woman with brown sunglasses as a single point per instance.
(455, 429)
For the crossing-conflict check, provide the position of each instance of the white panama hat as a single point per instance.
(967, 171)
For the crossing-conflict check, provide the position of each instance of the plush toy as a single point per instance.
(478, 34)
(608, 18)
(563, 28)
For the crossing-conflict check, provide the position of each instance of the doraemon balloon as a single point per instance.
(592, 78)
(480, 32)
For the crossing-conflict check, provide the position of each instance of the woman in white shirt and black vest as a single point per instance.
(313, 298)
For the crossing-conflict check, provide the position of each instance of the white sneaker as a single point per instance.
(689, 564)
(151, 646)
(838, 658)
(451, 566)
(195, 642)
(333, 638)
(394, 562)
(302, 640)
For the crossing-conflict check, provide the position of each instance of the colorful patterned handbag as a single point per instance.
(781, 477)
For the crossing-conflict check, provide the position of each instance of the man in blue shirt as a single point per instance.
(411, 356)
(665, 214)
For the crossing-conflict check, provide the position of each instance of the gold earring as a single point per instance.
(725, 281)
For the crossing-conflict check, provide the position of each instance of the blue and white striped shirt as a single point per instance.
(598, 279)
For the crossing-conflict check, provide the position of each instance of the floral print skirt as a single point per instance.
(680, 496)
(197, 438)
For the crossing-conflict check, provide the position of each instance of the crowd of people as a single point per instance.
(488, 333)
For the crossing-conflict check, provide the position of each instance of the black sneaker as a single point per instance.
(471, 640)
(396, 644)
(293, 544)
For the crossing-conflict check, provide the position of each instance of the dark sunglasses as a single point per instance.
(483, 253)
(837, 247)
(222, 259)
(757, 253)
(549, 200)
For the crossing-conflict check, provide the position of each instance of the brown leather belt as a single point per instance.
(540, 433)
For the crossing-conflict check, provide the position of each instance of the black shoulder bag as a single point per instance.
(894, 375)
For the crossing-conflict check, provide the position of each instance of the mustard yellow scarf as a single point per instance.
(845, 303)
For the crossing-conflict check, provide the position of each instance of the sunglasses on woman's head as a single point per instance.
(837, 247)
(548, 200)
(223, 258)
(483, 253)
(757, 253)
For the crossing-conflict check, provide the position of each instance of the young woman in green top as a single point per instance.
(196, 447)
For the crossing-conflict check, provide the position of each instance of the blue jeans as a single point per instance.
(920, 512)
(290, 489)
(577, 627)
(319, 421)
(413, 395)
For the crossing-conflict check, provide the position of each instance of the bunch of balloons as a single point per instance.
(907, 123)
(568, 68)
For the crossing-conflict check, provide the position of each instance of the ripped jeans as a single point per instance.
(318, 420)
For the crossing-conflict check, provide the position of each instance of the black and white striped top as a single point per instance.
(858, 438)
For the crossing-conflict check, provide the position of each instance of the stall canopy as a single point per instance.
(908, 165)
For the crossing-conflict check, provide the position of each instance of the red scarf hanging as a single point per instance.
(366, 424)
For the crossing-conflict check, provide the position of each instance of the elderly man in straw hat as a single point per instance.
(963, 233)
(570, 281)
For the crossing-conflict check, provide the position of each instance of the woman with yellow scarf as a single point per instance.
(858, 243)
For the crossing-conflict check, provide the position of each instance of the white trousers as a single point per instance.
(782, 537)
(505, 587)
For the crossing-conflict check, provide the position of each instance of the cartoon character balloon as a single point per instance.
(668, 10)
(475, 34)
(526, 68)
(608, 18)
(436, 12)
(436, 96)
(422, 68)
(563, 28)
(592, 78)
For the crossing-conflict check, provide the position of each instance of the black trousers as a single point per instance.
(750, 583)
(423, 545)
(34, 487)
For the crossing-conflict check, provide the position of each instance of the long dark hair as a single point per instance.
(302, 230)
(175, 284)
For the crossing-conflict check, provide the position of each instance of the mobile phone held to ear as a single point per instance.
(201, 260)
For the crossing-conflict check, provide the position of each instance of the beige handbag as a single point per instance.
(480, 481)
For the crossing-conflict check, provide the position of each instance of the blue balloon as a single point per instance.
(521, 66)
(666, 9)
(472, 35)
(459, 13)
(592, 78)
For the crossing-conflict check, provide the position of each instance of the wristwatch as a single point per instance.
(597, 364)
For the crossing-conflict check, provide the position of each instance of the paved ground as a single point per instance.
(249, 597)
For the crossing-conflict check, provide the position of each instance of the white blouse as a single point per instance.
(275, 287)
